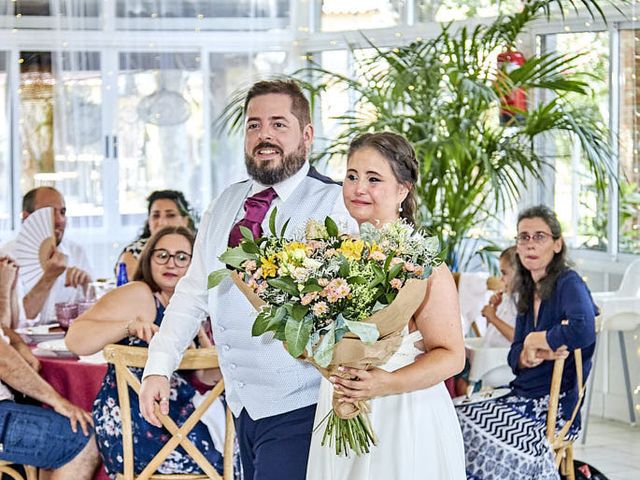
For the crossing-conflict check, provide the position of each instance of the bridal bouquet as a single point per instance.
(334, 300)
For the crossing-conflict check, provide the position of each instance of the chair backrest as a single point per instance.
(124, 358)
(630, 285)
(8, 468)
(556, 438)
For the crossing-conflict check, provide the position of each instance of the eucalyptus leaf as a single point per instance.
(367, 332)
(216, 277)
(324, 352)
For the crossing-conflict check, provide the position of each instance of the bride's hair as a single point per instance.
(402, 159)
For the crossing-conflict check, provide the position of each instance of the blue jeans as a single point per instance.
(37, 436)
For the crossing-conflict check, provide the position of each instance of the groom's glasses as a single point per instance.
(162, 257)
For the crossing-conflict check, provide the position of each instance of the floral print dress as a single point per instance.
(148, 439)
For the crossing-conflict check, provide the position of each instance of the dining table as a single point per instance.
(76, 380)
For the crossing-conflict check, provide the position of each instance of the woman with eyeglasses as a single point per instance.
(131, 315)
(165, 208)
(556, 315)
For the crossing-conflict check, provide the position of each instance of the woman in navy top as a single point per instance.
(506, 438)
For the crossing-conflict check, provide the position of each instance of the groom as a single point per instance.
(271, 394)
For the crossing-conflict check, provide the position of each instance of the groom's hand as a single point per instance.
(155, 390)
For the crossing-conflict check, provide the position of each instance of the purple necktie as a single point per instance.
(255, 209)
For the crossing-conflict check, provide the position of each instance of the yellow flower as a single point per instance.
(294, 252)
(269, 267)
(375, 252)
(352, 249)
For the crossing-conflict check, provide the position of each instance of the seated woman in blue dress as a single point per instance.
(506, 438)
(130, 315)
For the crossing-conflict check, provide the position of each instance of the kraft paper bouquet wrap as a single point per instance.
(334, 300)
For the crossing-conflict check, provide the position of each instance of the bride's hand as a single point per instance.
(364, 384)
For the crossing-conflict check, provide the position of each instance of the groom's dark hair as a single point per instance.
(299, 103)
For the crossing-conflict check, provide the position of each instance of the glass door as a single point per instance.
(60, 123)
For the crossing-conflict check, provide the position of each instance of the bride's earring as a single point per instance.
(400, 208)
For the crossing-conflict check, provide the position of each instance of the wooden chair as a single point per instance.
(563, 447)
(7, 468)
(124, 358)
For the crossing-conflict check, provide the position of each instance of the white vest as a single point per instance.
(259, 373)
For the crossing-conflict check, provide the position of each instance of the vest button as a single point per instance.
(233, 366)
(222, 329)
(226, 348)
(240, 384)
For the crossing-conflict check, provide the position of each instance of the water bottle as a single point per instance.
(122, 274)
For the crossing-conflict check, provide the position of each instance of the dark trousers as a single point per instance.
(275, 448)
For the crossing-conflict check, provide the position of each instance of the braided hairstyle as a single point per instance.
(402, 160)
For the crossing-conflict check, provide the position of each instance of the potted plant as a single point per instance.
(444, 94)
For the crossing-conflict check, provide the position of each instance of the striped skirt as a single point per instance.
(505, 439)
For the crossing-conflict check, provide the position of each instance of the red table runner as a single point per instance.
(77, 382)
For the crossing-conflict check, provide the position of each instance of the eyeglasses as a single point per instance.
(162, 256)
(538, 238)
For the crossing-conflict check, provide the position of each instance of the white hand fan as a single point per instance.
(33, 245)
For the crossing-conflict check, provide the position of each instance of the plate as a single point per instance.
(58, 347)
(41, 333)
(481, 396)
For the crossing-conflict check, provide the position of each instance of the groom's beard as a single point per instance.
(270, 173)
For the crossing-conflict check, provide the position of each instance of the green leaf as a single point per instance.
(394, 271)
(236, 257)
(272, 221)
(217, 276)
(246, 233)
(356, 280)
(268, 320)
(345, 268)
(332, 228)
(379, 275)
(324, 352)
(311, 286)
(286, 284)
(284, 227)
(297, 335)
(249, 246)
(299, 311)
(367, 332)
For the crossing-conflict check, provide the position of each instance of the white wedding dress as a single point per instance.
(418, 434)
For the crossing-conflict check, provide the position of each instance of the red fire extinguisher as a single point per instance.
(514, 102)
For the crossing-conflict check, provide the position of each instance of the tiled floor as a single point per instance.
(612, 447)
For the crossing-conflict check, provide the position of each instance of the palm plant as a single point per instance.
(444, 94)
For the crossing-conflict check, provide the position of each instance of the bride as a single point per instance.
(411, 411)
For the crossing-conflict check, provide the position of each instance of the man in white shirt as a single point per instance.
(66, 268)
(271, 394)
(29, 431)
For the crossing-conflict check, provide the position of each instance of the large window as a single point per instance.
(629, 188)
(582, 211)
(61, 129)
(5, 153)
